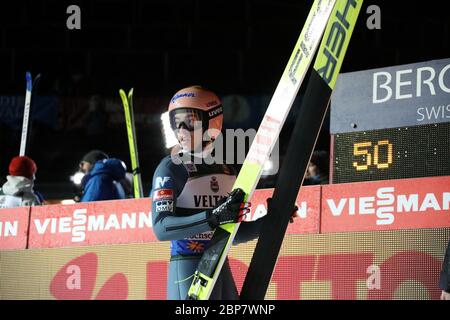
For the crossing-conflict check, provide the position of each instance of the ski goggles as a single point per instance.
(191, 119)
(188, 119)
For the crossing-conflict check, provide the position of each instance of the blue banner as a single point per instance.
(44, 110)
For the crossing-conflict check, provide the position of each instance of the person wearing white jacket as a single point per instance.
(18, 190)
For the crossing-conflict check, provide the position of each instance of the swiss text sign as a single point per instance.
(400, 96)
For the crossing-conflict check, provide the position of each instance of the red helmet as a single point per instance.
(203, 103)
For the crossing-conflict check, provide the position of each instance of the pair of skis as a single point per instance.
(306, 130)
(335, 18)
(127, 101)
(31, 85)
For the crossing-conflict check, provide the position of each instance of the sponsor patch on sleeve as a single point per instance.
(164, 206)
(163, 194)
(163, 182)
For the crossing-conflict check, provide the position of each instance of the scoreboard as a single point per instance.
(391, 123)
(394, 153)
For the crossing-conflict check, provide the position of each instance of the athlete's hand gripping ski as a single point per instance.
(231, 210)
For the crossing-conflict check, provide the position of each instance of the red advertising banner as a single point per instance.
(366, 206)
(129, 221)
(386, 205)
(14, 228)
(91, 223)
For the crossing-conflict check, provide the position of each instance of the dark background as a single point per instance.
(157, 47)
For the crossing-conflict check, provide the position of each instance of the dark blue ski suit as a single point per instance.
(181, 194)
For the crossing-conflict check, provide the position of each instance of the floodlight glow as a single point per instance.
(77, 178)
(169, 136)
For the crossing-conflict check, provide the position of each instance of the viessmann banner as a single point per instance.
(119, 222)
(386, 205)
(366, 206)
(105, 222)
(406, 95)
(14, 228)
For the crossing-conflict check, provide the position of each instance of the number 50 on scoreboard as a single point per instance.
(391, 123)
(395, 153)
(378, 155)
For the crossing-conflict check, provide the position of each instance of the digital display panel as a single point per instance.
(397, 153)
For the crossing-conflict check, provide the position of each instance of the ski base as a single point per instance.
(313, 110)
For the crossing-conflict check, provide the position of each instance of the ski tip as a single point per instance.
(29, 81)
(123, 97)
(36, 81)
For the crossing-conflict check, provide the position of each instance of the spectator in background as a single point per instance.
(102, 177)
(444, 282)
(318, 169)
(18, 190)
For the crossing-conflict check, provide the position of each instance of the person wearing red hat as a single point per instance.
(18, 190)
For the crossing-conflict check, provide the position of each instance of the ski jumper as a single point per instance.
(181, 195)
